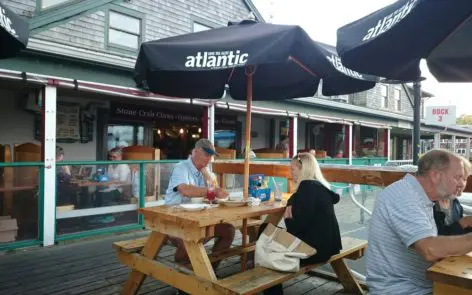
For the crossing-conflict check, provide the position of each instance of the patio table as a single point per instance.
(193, 228)
(452, 275)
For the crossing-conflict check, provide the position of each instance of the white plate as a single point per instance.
(193, 207)
(233, 203)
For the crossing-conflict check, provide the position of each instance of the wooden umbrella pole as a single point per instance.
(247, 153)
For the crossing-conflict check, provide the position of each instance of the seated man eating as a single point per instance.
(187, 181)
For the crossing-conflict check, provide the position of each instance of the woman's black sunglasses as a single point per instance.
(297, 157)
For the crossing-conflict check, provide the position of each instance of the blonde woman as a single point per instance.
(310, 212)
(449, 214)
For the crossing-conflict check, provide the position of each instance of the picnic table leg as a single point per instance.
(244, 244)
(274, 218)
(349, 282)
(151, 248)
(199, 259)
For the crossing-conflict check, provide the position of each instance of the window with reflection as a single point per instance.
(124, 31)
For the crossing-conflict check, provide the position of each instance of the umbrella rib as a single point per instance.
(231, 75)
(305, 68)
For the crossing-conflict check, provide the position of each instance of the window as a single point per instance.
(384, 96)
(198, 27)
(398, 101)
(124, 31)
(50, 3)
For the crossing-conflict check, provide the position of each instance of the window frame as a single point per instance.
(384, 99)
(39, 5)
(398, 101)
(204, 22)
(199, 23)
(129, 13)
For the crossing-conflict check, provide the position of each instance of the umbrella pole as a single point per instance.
(246, 161)
(416, 121)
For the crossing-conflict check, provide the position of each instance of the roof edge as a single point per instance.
(253, 8)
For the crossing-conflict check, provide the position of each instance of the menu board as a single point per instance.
(68, 122)
(71, 126)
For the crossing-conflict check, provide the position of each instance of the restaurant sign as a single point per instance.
(144, 113)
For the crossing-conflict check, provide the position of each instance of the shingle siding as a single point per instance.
(372, 99)
(163, 18)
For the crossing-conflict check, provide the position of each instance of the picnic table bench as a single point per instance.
(193, 228)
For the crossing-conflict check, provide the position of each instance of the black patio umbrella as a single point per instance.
(285, 63)
(392, 41)
(14, 32)
(255, 60)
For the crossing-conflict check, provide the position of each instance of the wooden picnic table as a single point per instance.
(366, 175)
(452, 275)
(89, 183)
(193, 228)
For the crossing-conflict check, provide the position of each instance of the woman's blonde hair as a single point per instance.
(309, 169)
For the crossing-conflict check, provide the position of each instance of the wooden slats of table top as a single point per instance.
(87, 183)
(233, 167)
(371, 175)
(455, 271)
(221, 214)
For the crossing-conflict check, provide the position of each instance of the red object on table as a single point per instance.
(211, 194)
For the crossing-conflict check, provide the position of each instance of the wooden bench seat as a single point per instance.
(133, 246)
(259, 279)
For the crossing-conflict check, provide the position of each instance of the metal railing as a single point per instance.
(141, 202)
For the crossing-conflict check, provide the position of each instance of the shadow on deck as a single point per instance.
(92, 267)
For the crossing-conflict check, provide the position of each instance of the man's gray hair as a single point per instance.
(437, 159)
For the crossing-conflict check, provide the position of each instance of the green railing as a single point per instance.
(164, 168)
(138, 193)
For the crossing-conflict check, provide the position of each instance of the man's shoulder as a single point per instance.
(182, 165)
(398, 188)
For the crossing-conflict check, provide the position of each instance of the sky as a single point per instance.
(321, 18)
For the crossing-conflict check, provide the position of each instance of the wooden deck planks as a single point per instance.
(92, 267)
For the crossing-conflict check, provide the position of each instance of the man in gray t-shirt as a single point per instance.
(403, 239)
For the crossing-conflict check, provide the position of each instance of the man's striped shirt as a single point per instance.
(403, 215)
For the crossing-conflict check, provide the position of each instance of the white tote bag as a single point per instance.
(279, 250)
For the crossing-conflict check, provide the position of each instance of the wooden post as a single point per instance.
(246, 159)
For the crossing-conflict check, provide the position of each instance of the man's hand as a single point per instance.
(466, 222)
(220, 193)
(288, 212)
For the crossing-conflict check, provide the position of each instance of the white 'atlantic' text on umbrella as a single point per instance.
(389, 21)
(216, 59)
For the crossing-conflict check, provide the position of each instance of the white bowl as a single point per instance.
(238, 203)
(196, 200)
(235, 198)
(193, 207)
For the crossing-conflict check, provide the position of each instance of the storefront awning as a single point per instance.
(372, 125)
(256, 110)
(324, 119)
(89, 86)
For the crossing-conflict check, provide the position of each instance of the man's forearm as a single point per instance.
(192, 191)
(436, 248)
